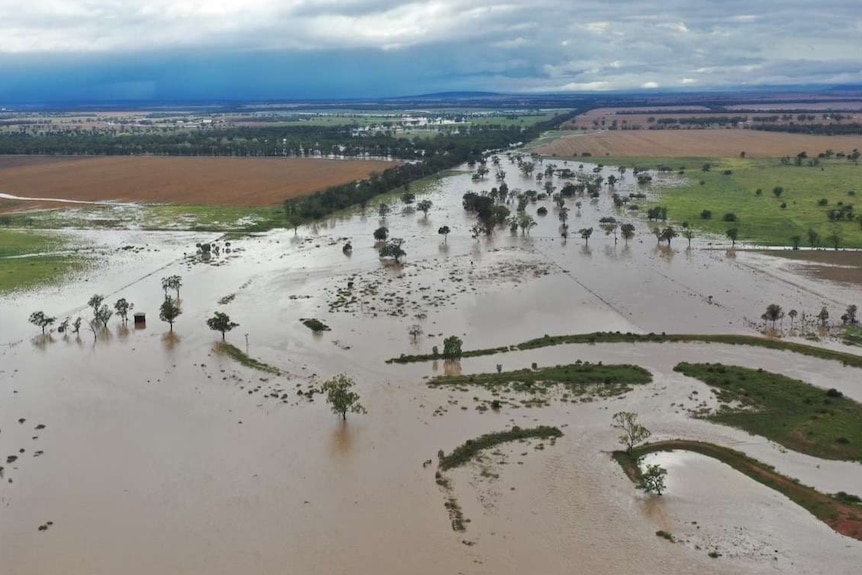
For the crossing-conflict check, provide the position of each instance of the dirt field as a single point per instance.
(697, 143)
(192, 181)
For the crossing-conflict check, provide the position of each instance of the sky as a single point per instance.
(104, 50)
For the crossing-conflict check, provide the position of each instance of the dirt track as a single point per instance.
(697, 143)
(190, 181)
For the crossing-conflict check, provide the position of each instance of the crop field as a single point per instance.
(717, 143)
(242, 182)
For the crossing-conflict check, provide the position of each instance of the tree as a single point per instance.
(95, 301)
(813, 238)
(526, 223)
(415, 331)
(773, 313)
(777, 191)
(221, 322)
(101, 312)
(383, 209)
(408, 198)
(732, 234)
(850, 315)
(835, 239)
(452, 347)
(423, 206)
(341, 397)
(688, 234)
(122, 308)
(39, 319)
(169, 311)
(792, 314)
(585, 234)
(444, 231)
(633, 432)
(381, 233)
(172, 282)
(668, 234)
(393, 249)
(76, 325)
(796, 241)
(652, 479)
(628, 231)
(823, 316)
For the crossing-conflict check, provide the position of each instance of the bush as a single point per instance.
(706, 215)
(729, 217)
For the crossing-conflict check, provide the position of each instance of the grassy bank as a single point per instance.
(790, 412)
(240, 356)
(838, 511)
(464, 453)
(618, 337)
(761, 218)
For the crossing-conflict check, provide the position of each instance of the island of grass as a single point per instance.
(464, 453)
(799, 416)
(628, 337)
(315, 325)
(240, 356)
(842, 511)
(577, 379)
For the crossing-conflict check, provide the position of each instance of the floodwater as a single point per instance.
(160, 455)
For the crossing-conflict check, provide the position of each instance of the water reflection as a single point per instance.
(170, 340)
(343, 439)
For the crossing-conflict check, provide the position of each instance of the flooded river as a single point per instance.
(161, 455)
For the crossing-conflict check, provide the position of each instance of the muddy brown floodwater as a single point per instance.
(149, 453)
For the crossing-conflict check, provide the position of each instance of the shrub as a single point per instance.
(729, 217)
(706, 215)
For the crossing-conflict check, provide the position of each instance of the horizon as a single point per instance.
(259, 50)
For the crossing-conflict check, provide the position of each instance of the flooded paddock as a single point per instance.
(159, 454)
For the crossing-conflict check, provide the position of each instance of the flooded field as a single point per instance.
(141, 451)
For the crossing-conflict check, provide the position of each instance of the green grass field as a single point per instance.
(20, 273)
(788, 411)
(761, 218)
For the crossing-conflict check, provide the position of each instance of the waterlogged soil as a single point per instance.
(843, 267)
(160, 455)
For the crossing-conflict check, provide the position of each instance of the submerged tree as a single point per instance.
(823, 316)
(393, 249)
(415, 331)
(169, 311)
(40, 320)
(444, 231)
(452, 347)
(668, 234)
(633, 432)
(773, 313)
(381, 233)
(850, 315)
(221, 322)
(732, 234)
(341, 397)
(123, 307)
(688, 234)
(585, 234)
(792, 315)
(652, 479)
(628, 232)
(424, 206)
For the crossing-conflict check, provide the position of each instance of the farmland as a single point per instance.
(239, 182)
(716, 143)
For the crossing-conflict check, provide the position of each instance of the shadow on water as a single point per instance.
(343, 442)
(451, 367)
(170, 340)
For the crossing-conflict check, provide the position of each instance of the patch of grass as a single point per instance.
(315, 325)
(818, 422)
(20, 274)
(240, 356)
(16, 243)
(464, 453)
(761, 219)
(840, 516)
(852, 336)
(618, 337)
(578, 379)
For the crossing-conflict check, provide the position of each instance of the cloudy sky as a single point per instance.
(269, 49)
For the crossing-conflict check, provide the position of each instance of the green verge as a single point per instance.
(618, 337)
(464, 453)
(840, 511)
(790, 412)
(760, 218)
(240, 356)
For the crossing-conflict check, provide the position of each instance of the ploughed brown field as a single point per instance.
(243, 182)
(717, 143)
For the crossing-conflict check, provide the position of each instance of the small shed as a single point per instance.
(140, 320)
